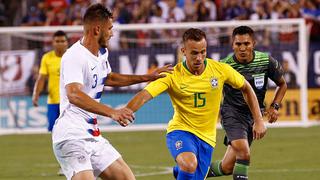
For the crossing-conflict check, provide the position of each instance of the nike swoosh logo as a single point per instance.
(183, 86)
(93, 68)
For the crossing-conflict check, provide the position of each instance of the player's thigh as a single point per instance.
(241, 148)
(117, 170)
(183, 149)
(52, 115)
(73, 157)
(179, 142)
(237, 126)
(190, 152)
(86, 174)
(107, 162)
(53, 111)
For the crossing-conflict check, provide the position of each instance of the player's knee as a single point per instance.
(126, 173)
(127, 176)
(188, 167)
(187, 162)
(244, 155)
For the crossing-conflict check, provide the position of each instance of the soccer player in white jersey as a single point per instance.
(78, 146)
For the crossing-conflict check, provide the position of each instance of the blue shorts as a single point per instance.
(182, 141)
(52, 114)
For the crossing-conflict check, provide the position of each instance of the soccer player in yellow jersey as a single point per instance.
(50, 70)
(195, 88)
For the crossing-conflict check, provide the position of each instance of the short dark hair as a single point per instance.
(96, 12)
(193, 34)
(60, 33)
(241, 30)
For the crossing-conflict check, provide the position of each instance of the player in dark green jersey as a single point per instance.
(236, 119)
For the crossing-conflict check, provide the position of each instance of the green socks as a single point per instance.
(240, 170)
(215, 169)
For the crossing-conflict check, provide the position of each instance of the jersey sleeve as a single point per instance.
(234, 78)
(109, 70)
(72, 70)
(160, 85)
(275, 70)
(43, 66)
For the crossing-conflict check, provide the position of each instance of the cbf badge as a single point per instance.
(214, 82)
(178, 145)
(258, 80)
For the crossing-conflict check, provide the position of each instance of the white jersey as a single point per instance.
(79, 65)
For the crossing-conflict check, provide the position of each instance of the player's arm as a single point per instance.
(77, 97)
(281, 89)
(38, 88)
(139, 100)
(259, 129)
(152, 90)
(116, 79)
(275, 72)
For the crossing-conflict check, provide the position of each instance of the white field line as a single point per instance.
(158, 170)
(148, 127)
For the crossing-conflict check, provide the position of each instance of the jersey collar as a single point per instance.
(88, 52)
(184, 63)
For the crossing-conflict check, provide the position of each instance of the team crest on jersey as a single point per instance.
(81, 159)
(258, 80)
(178, 145)
(214, 82)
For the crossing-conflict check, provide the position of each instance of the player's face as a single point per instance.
(243, 46)
(60, 43)
(195, 52)
(105, 33)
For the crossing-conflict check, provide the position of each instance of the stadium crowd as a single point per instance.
(69, 12)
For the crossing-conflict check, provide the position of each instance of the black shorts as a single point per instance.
(237, 124)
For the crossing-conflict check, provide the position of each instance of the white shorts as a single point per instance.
(85, 154)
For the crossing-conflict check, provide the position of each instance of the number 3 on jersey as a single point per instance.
(95, 79)
(199, 99)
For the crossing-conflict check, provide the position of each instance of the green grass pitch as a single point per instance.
(284, 154)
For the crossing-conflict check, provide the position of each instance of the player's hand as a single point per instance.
(259, 130)
(272, 115)
(123, 116)
(35, 100)
(156, 74)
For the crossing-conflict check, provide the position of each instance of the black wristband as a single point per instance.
(276, 106)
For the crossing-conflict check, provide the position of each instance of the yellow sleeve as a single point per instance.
(234, 78)
(160, 85)
(43, 66)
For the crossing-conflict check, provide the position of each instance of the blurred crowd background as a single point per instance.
(137, 51)
(69, 12)
(275, 39)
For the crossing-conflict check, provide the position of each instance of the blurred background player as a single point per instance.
(77, 142)
(195, 88)
(289, 75)
(50, 70)
(236, 118)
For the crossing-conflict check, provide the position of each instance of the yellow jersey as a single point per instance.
(196, 98)
(50, 66)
